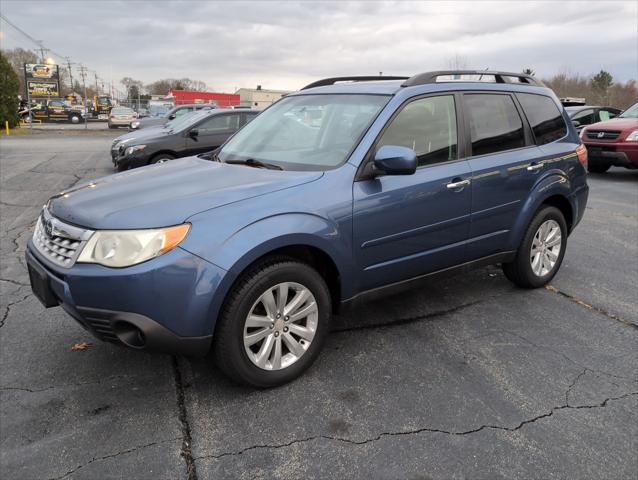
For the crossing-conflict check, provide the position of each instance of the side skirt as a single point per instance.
(390, 289)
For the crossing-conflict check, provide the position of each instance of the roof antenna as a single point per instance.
(481, 76)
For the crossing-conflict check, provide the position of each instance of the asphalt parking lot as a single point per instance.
(466, 377)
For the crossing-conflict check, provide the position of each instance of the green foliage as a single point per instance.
(601, 82)
(9, 90)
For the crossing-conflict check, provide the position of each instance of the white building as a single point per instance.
(259, 98)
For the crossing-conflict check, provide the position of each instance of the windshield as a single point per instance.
(184, 121)
(631, 112)
(305, 132)
(158, 110)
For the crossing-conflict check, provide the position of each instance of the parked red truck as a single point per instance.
(613, 142)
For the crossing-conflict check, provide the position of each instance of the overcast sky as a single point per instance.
(286, 45)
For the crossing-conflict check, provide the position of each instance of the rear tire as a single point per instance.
(287, 346)
(75, 118)
(112, 126)
(538, 258)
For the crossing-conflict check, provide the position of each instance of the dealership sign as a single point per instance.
(42, 80)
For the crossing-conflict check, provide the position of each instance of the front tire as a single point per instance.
(541, 252)
(161, 158)
(273, 323)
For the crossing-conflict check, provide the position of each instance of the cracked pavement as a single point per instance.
(462, 377)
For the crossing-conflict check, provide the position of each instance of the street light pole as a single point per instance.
(86, 113)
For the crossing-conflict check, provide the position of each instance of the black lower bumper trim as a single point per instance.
(140, 332)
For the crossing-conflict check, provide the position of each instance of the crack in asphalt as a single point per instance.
(122, 452)
(7, 310)
(65, 385)
(562, 354)
(594, 308)
(7, 204)
(187, 441)
(407, 320)
(20, 284)
(419, 430)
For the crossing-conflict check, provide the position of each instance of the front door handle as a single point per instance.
(453, 185)
(534, 166)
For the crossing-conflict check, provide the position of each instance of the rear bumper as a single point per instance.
(162, 305)
(579, 203)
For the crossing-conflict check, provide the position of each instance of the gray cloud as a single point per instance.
(285, 45)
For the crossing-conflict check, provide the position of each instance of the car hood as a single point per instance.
(132, 138)
(615, 124)
(167, 193)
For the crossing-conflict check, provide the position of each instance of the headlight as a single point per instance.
(123, 248)
(632, 137)
(135, 124)
(135, 148)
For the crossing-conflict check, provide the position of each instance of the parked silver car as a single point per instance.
(122, 117)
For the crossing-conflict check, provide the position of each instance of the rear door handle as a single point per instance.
(534, 166)
(457, 184)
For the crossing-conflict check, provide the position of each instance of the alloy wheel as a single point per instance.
(280, 326)
(546, 247)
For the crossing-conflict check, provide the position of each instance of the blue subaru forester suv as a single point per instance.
(344, 188)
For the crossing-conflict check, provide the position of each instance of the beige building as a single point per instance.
(259, 98)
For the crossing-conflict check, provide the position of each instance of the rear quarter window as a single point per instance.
(544, 117)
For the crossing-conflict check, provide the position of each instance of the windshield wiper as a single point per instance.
(212, 155)
(251, 162)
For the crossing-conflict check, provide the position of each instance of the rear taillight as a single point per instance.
(581, 151)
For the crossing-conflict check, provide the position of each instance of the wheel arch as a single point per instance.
(162, 152)
(554, 190)
(317, 246)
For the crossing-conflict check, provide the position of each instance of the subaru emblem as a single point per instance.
(601, 134)
(48, 227)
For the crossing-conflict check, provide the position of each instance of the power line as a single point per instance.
(39, 43)
(42, 49)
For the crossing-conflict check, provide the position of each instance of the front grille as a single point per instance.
(603, 134)
(59, 242)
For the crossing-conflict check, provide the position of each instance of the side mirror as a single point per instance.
(172, 116)
(395, 160)
(576, 123)
(194, 133)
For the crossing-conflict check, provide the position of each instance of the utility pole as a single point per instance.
(83, 75)
(68, 62)
(42, 50)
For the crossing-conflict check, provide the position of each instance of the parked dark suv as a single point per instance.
(342, 189)
(190, 134)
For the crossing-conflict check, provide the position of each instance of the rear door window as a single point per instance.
(544, 117)
(494, 122)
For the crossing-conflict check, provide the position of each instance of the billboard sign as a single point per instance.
(41, 71)
(42, 80)
(43, 89)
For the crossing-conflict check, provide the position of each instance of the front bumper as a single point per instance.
(137, 159)
(162, 305)
(619, 154)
